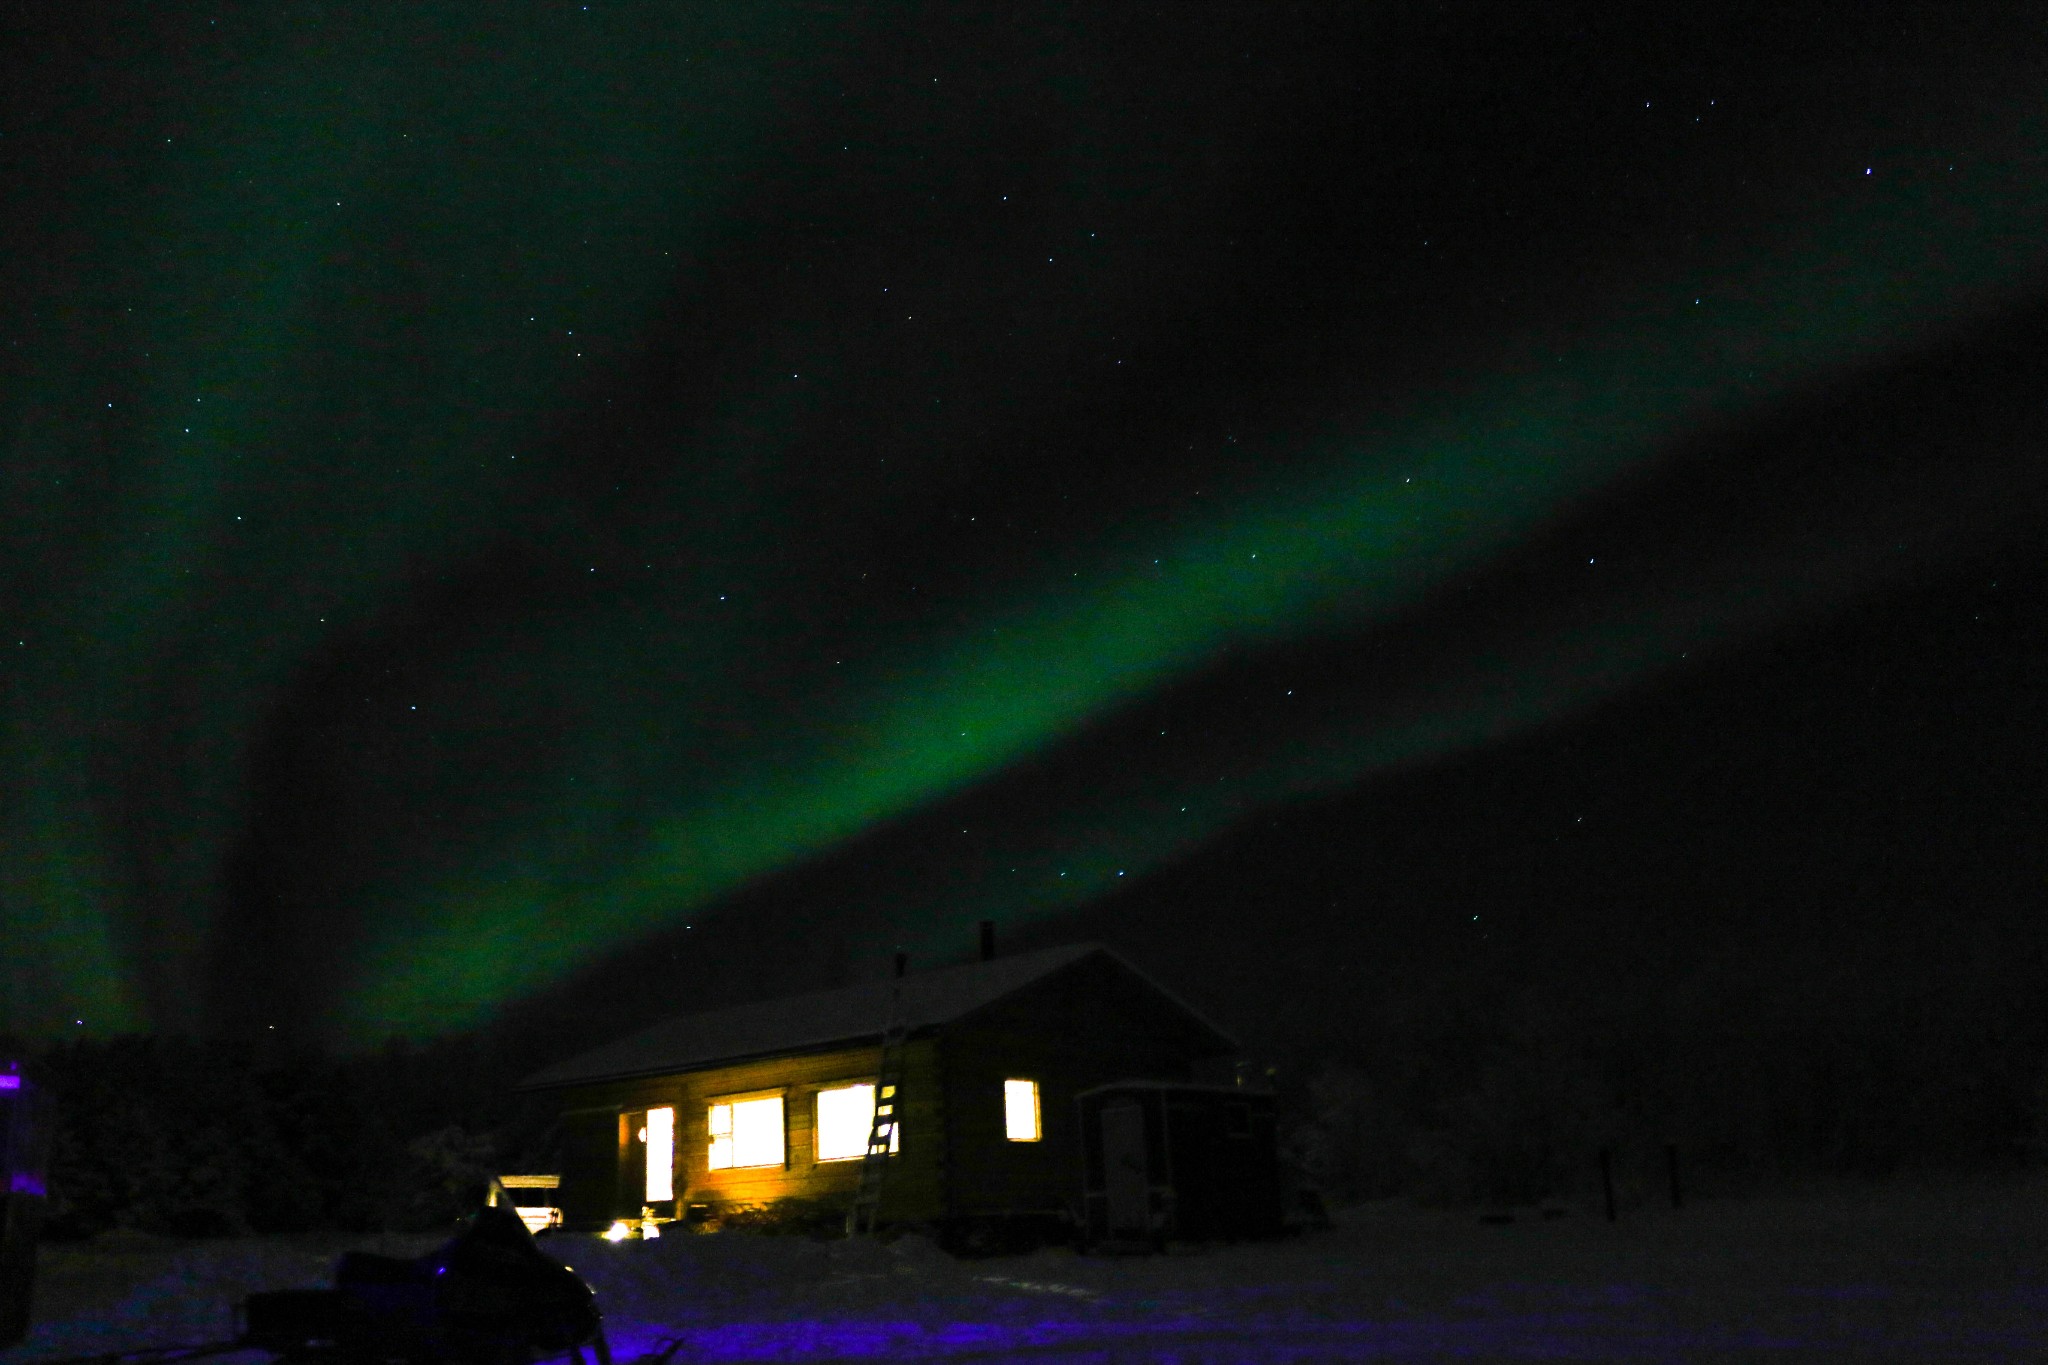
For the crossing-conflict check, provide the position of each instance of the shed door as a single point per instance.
(1125, 1178)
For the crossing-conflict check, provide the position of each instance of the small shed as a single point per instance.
(700, 1116)
(1168, 1161)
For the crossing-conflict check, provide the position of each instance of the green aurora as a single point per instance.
(1364, 540)
(320, 330)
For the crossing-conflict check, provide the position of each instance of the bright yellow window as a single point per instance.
(846, 1114)
(1020, 1110)
(746, 1133)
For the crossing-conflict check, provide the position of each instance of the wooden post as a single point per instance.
(1671, 1166)
(1607, 1180)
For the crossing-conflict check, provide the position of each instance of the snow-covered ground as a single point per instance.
(1925, 1274)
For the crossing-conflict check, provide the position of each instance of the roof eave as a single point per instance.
(1228, 1041)
(533, 1085)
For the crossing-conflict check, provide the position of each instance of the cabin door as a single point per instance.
(1126, 1180)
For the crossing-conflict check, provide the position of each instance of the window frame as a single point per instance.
(712, 1103)
(852, 1083)
(1037, 1109)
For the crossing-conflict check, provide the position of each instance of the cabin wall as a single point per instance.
(1081, 1028)
(912, 1190)
(590, 1170)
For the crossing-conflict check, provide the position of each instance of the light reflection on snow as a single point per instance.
(1923, 1283)
(1273, 1340)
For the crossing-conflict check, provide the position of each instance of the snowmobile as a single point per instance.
(488, 1296)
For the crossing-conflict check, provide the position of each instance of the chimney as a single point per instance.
(988, 940)
(902, 963)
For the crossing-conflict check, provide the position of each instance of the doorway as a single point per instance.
(1127, 1179)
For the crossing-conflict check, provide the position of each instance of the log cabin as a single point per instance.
(705, 1116)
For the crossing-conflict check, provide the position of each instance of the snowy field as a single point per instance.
(1928, 1273)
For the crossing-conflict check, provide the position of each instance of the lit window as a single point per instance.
(846, 1116)
(661, 1155)
(1020, 1110)
(746, 1133)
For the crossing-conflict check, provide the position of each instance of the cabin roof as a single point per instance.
(850, 1014)
(1177, 1087)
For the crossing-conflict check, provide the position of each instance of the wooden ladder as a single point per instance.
(882, 1132)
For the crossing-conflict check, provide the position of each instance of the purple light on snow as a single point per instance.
(24, 1183)
(9, 1082)
(1181, 1338)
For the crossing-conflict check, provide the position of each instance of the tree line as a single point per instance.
(191, 1137)
(1504, 1103)
(1518, 1111)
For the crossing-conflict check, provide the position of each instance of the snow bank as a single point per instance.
(1923, 1274)
(129, 1289)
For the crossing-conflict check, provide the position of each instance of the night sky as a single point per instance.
(586, 511)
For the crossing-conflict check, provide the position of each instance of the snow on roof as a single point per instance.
(798, 1023)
